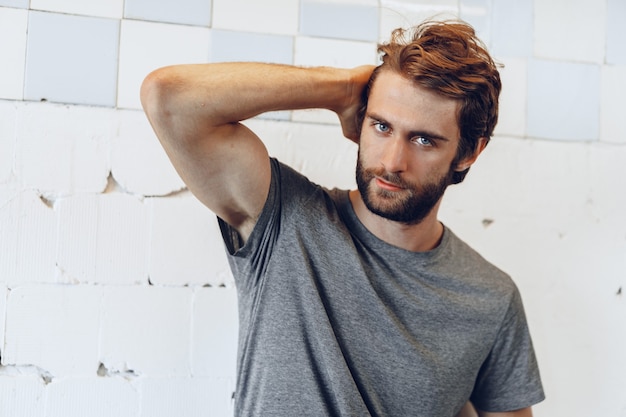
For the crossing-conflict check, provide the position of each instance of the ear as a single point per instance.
(468, 161)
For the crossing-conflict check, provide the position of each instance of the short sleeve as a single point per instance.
(509, 378)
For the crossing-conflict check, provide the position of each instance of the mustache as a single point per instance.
(390, 177)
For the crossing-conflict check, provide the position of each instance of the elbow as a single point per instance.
(156, 92)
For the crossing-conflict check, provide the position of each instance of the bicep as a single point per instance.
(228, 171)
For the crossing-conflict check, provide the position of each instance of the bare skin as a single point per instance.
(196, 111)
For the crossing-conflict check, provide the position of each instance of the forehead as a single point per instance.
(405, 104)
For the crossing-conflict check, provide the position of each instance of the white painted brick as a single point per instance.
(135, 146)
(513, 98)
(102, 239)
(333, 19)
(275, 16)
(54, 328)
(558, 33)
(407, 13)
(13, 23)
(215, 324)
(3, 308)
(93, 397)
(8, 123)
(102, 8)
(185, 243)
(612, 126)
(27, 240)
(512, 23)
(189, 12)
(146, 330)
(146, 46)
(319, 151)
(189, 397)
(478, 13)
(63, 149)
(22, 396)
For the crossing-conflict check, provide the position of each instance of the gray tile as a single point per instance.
(563, 100)
(189, 12)
(616, 32)
(342, 21)
(229, 46)
(20, 4)
(71, 59)
(512, 28)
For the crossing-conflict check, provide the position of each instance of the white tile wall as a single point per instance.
(184, 218)
(157, 340)
(513, 98)
(337, 20)
(512, 28)
(8, 123)
(407, 13)
(15, 3)
(612, 127)
(556, 110)
(270, 16)
(146, 46)
(559, 30)
(134, 141)
(53, 327)
(28, 240)
(187, 12)
(71, 59)
(26, 397)
(93, 397)
(616, 32)
(92, 212)
(102, 239)
(232, 46)
(101, 8)
(78, 136)
(12, 26)
(215, 318)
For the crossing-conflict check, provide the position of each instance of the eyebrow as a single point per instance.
(425, 133)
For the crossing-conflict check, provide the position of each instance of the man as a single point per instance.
(356, 303)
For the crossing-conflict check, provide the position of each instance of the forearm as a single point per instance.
(211, 95)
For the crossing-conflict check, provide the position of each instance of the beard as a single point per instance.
(410, 205)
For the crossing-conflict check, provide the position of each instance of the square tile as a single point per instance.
(512, 112)
(478, 14)
(100, 8)
(71, 59)
(612, 127)
(616, 32)
(21, 4)
(12, 26)
(512, 28)
(146, 46)
(8, 138)
(559, 32)
(563, 100)
(232, 46)
(275, 16)
(188, 12)
(408, 13)
(339, 20)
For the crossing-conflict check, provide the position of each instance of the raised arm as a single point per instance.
(195, 111)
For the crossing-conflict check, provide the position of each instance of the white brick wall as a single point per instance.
(115, 293)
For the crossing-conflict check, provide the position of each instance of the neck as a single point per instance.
(420, 237)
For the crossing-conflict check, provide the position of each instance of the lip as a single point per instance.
(385, 185)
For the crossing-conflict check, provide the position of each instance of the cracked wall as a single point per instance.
(115, 294)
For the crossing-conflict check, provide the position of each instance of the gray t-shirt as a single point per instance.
(336, 322)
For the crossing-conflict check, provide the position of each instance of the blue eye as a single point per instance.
(421, 140)
(381, 127)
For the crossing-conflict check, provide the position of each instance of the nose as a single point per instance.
(395, 156)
